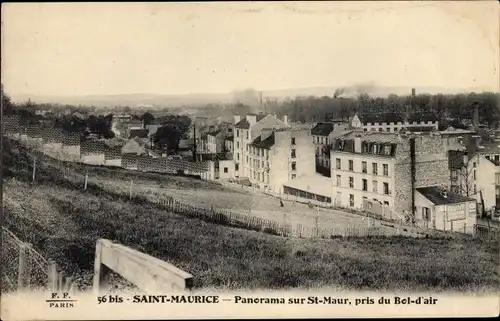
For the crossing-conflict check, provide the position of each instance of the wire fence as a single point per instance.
(24, 268)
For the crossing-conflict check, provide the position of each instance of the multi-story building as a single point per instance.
(215, 141)
(477, 176)
(246, 130)
(395, 122)
(387, 168)
(229, 144)
(323, 135)
(278, 156)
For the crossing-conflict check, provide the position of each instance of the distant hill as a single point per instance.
(165, 100)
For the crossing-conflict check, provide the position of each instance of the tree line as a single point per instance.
(458, 107)
(172, 128)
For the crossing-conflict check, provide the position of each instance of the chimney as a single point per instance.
(475, 117)
(357, 144)
(252, 119)
(285, 119)
(237, 119)
(413, 92)
(444, 193)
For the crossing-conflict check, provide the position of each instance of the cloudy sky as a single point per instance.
(80, 49)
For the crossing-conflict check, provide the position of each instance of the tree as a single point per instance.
(7, 105)
(147, 118)
(167, 137)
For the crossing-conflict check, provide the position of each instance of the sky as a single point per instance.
(175, 48)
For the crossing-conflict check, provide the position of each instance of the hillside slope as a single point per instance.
(64, 222)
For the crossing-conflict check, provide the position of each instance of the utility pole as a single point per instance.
(86, 178)
(194, 137)
(34, 168)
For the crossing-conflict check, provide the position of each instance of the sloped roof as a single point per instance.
(242, 124)
(433, 194)
(260, 117)
(267, 143)
(380, 117)
(133, 146)
(422, 116)
(230, 138)
(421, 129)
(141, 133)
(322, 129)
(213, 133)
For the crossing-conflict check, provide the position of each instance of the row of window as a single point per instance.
(320, 140)
(400, 123)
(351, 199)
(364, 185)
(238, 133)
(364, 167)
(495, 157)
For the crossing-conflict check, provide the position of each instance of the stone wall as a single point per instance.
(431, 168)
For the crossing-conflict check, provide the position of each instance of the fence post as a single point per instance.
(60, 281)
(86, 178)
(34, 169)
(23, 273)
(130, 192)
(52, 277)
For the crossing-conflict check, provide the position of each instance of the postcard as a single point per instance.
(250, 160)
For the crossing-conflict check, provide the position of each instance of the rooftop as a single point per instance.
(140, 133)
(213, 133)
(322, 129)
(267, 143)
(316, 184)
(395, 117)
(436, 196)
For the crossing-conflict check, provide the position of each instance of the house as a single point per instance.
(440, 209)
(135, 124)
(395, 122)
(229, 144)
(386, 168)
(278, 156)
(78, 114)
(133, 146)
(215, 141)
(246, 130)
(477, 176)
(323, 135)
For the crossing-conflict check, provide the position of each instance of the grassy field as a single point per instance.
(64, 222)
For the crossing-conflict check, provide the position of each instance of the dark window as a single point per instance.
(293, 176)
(236, 167)
(294, 166)
(225, 169)
(351, 182)
(351, 165)
(375, 168)
(237, 133)
(351, 200)
(293, 140)
(386, 170)
(365, 185)
(337, 160)
(364, 167)
(293, 153)
(247, 134)
(386, 188)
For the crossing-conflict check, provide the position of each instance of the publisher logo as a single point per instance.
(61, 300)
